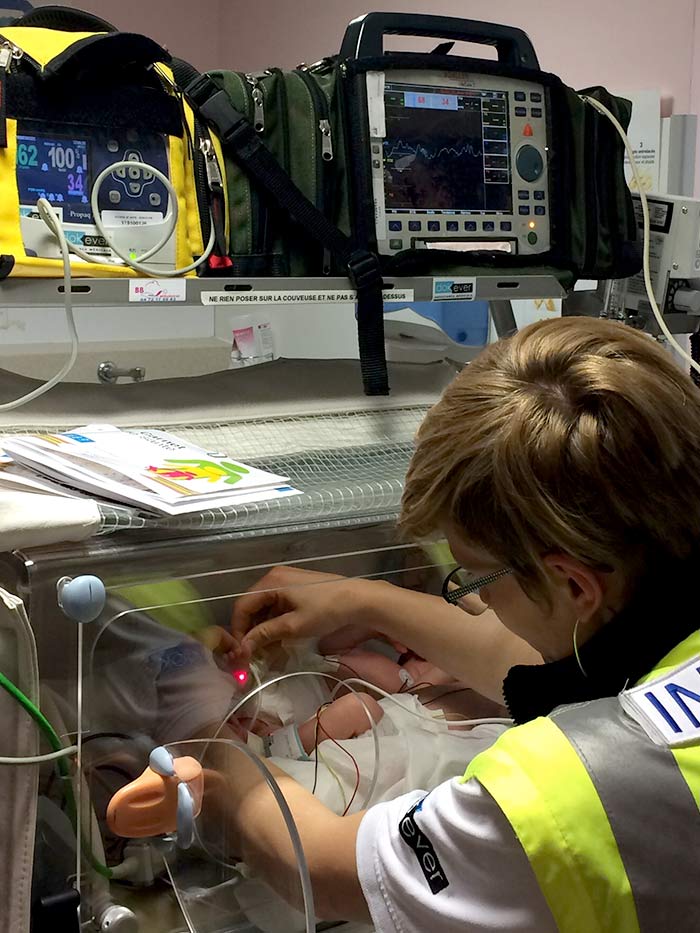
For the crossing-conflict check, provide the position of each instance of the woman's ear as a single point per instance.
(579, 584)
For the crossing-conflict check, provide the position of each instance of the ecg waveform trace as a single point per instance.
(401, 148)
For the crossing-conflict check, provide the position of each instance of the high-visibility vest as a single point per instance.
(609, 820)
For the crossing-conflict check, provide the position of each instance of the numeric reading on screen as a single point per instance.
(65, 157)
(53, 168)
(58, 155)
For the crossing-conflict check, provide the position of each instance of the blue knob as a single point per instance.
(82, 598)
(161, 761)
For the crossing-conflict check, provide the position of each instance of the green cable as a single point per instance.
(34, 712)
(61, 763)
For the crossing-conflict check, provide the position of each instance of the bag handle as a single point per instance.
(65, 19)
(101, 52)
(364, 37)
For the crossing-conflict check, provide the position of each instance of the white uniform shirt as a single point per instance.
(447, 861)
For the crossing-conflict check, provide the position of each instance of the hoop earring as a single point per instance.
(576, 655)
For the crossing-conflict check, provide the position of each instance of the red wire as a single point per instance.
(350, 756)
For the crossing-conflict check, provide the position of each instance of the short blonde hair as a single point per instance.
(575, 435)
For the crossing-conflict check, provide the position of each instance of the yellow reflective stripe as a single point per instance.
(43, 44)
(539, 782)
(677, 656)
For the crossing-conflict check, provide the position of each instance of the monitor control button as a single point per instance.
(529, 163)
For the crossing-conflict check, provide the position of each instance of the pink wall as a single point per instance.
(189, 29)
(632, 44)
(625, 44)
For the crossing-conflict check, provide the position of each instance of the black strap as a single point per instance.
(244, 145)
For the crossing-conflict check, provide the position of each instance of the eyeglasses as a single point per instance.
(460, 583)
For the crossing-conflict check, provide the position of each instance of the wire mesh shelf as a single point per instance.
(349, 466)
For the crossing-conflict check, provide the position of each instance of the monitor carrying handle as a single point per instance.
(364, 37)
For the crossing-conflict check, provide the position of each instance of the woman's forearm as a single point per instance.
(240, 805)
(476, 650)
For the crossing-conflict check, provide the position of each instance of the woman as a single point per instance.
(563, 467)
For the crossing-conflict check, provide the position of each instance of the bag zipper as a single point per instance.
(9, 55)
(253, 194)
(200, 180)
(256, 93)
(324, 148)
(321, 108)
(283, 113)
(215, 182)
(16, 54)
(211, 200)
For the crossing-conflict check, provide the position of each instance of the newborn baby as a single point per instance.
(326, 743)
(347, 717)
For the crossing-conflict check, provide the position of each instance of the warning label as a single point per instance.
(271, 297)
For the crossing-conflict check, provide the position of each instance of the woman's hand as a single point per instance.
(292, 603)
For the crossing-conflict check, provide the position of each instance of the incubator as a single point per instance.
(147, 674)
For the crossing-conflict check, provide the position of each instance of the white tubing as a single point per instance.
(601, 108)
(340, 683)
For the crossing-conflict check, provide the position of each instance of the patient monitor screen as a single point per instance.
(446, 149)
(57, 169)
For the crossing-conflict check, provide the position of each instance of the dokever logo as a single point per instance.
(422, 847)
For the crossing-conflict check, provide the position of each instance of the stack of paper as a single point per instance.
(148, 468)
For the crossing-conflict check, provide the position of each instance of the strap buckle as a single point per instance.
(364, 269)
(201, 89)
(232, 127)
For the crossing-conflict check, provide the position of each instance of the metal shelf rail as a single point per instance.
(18, 293)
